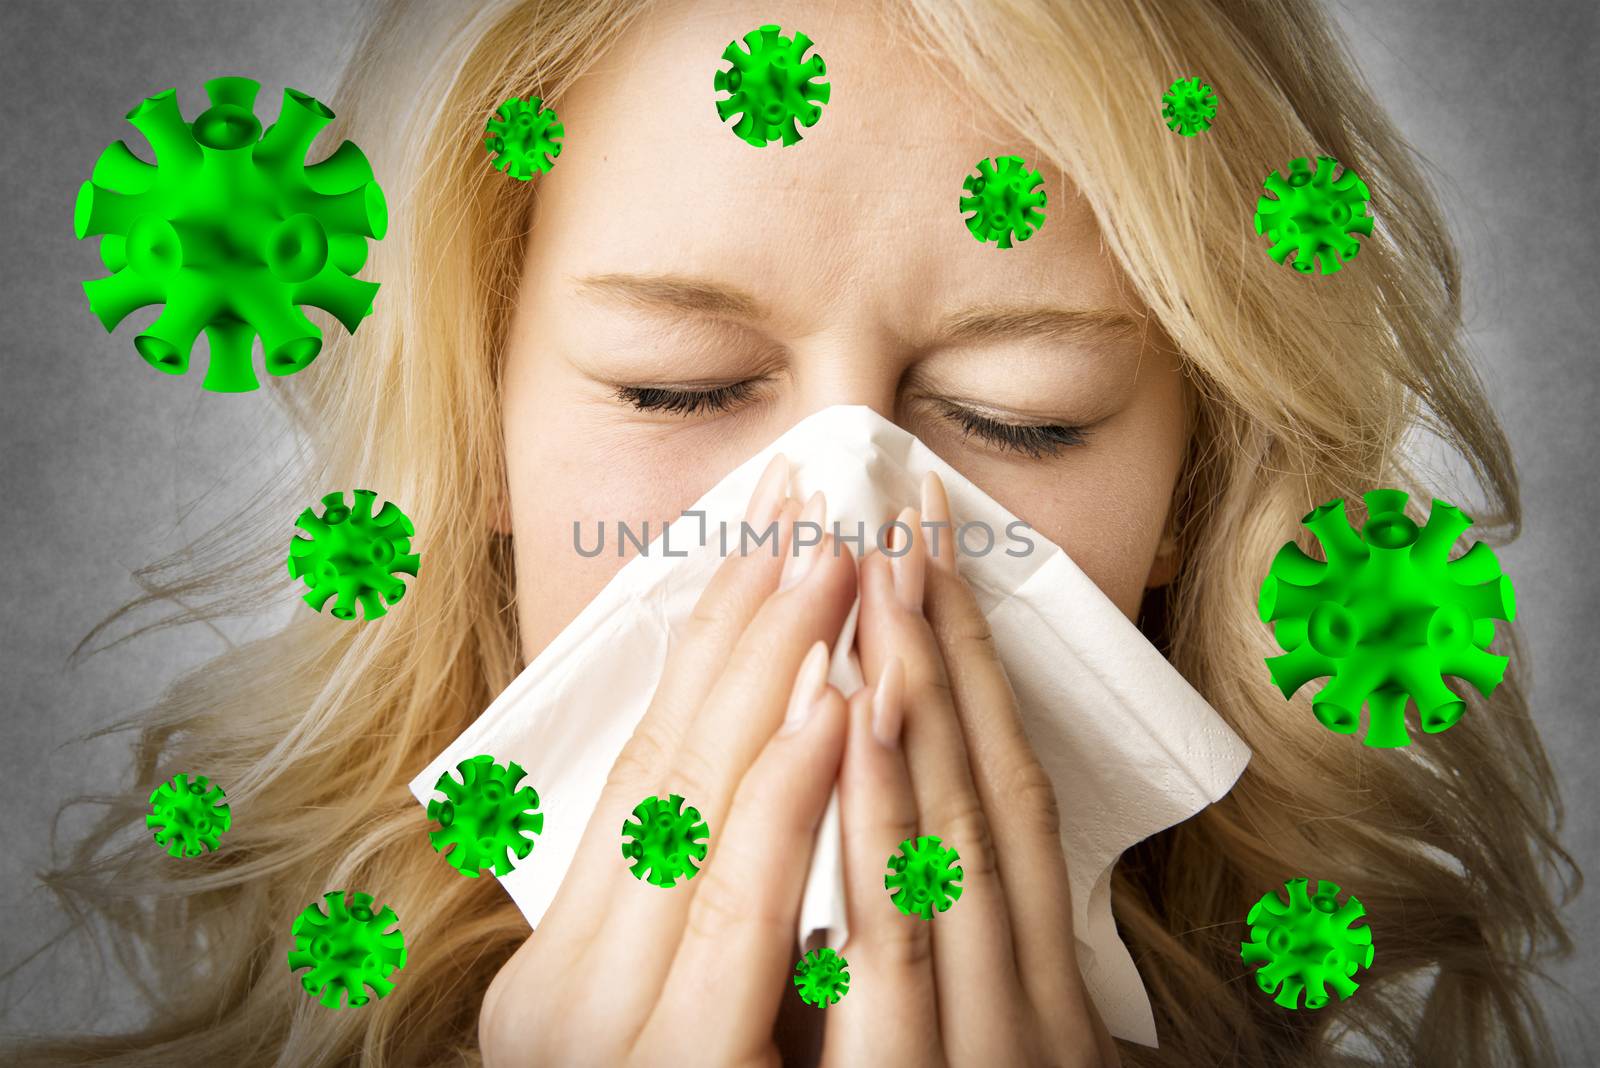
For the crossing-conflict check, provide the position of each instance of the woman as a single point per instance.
(1138, 381)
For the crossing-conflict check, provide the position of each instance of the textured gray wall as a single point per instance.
(101, 461)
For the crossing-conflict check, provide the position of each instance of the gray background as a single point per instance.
(103, 459)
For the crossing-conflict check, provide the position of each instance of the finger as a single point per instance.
(890, 1014)
(741, 920)
(737, 591)
(744, 707)
(1012, 786)
(972, 954)
(740, 586)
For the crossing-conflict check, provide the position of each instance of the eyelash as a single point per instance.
(685, 401)
(1036, 441)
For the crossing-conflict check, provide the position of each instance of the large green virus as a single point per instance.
(522, 139)
(1189, 106)
(822, 977)
(1006, 200)
(664, 839)
(771, 86)
(1306, 944)
(484, 818)
(923, 877)
(1387, 616)
(349, 949)
(232, 232)
(352, 555)
(187, 815)
(1314, 215)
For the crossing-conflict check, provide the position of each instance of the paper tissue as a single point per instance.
(1130, 746)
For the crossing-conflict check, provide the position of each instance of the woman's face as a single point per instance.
(669, 255)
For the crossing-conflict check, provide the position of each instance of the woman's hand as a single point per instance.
(745, 727)
(935, 747)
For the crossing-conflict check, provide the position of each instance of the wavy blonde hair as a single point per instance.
(1308, 388)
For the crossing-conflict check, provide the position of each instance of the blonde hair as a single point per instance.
(1307, 388)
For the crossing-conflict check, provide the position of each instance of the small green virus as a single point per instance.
(822, 977)
(484, 818)
(348, 949)
(232, 232)
(1306, 944)
(923, 877)
(1387, 616)
(1314, 215)
(1189, 106)
(353, 555)
(666, 839)
(521, 139)
(188, 815)
(1005, 198)
(771, 86)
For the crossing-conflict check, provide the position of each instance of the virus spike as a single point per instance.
(300, 119)
(1386, 619)
(665, 840)
(114, 297)
(159, 119)
(118, 170)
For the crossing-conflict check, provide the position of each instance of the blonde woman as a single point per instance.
(1139, 381)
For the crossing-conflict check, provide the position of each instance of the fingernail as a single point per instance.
(887, 712)
(936, 510)
(768, 494)
(908, 566)
(809, 686)
(798, 565)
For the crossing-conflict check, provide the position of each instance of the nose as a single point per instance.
(846, 371)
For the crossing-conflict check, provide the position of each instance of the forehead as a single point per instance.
(864, 207)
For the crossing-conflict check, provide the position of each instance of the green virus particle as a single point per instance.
(187, 815)
(822, 977)
(771, 86)
(923, 877)
(1306, 944)
(1005, 198)
(1314, 215)
(1189, 106)
(521, 139)
(353, 555)
(349, 949)
(666, 839)
(1387, 616)
(484, 818)
(232, 232)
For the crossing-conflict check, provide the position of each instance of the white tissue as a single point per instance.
(1130, 746)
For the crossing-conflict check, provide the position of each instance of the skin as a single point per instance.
(669, 254)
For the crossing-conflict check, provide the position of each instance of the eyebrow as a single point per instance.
(672, 292)
(987, 323)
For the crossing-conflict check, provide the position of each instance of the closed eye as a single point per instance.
(1037, 440)
(686, 401)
